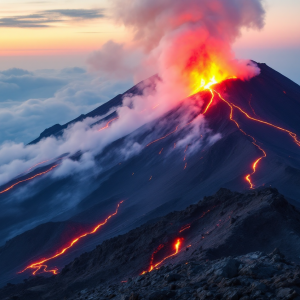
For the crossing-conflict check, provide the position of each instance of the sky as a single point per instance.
(45, 44)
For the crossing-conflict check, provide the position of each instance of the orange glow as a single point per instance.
(160, 152)
(210, 102)
(163, 137)
(204, 77)
(40, 265)
(28, 179)
(185, 166)
(43, 162)
(248, 177)
(155, 266)
(186, 227)
(254, 165)
(107, 124)
(292, 134)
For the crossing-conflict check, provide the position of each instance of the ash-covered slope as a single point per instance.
(161, 178)
(226, 224)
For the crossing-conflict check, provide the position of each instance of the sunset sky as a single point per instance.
(55, 34)
(51, 40)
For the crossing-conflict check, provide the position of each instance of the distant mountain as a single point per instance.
(163, 178)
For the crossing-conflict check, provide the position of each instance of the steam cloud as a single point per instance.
(172, 38)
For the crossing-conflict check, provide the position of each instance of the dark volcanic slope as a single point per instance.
(175, 182)
(226, 224)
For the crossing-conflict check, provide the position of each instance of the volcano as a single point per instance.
(250, 139)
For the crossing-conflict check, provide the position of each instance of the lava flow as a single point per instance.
(292, 134)
(254, 165)
(41, 266)
(248, 177)
(107, 124)
(154, 266)
(43, 162)
(163, 137)
(28, 179)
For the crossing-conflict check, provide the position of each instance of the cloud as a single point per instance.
(16, 85)
(49, 18)
(184, 42)
(32, 102)
(15, 72)
(115, 60)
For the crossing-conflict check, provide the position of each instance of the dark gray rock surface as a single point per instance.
(218, 259)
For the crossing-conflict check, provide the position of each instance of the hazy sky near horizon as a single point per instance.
(62, 33)
(52, 39)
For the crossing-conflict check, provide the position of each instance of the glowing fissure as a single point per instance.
(292, 134)
(186, 227)
(41, 266)
(155, 266)
(210, 102)
(177, 245)
(255, 164)
(163, 137)
(107, 124)
(28, 179)
(43, 162)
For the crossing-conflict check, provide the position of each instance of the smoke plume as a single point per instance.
(187, 43)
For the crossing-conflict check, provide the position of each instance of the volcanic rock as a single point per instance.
(218, 265)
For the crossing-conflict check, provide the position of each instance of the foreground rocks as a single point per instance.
(251, 276)
(221, 256)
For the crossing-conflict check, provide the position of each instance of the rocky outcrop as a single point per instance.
(213, 262)
(251, 276)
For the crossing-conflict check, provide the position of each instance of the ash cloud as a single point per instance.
(172, 39)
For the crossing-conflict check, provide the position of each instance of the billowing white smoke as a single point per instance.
(172, 38)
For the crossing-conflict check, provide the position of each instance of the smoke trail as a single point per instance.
(187, 43)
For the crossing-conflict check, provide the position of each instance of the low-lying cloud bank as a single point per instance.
(187, 43)
(33, 101)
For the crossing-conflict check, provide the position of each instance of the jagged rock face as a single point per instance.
(251, 276)
(216, 234)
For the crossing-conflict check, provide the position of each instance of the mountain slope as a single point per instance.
(161, 178)
(226, 224)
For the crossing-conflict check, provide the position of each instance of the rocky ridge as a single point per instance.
(217, 234)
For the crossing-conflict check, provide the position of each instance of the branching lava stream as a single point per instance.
(41, 266)
(154, 266)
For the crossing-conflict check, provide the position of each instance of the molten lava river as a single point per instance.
(199, 83)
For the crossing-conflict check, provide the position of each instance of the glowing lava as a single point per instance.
(292, 134)
(210, 102)
(28, 179)
(41, 163)
(254, 165)
(163, 137)
(203, 75)
(107, 124)
(248, 177)
(41, 266)
(186, 227)
(154, 266)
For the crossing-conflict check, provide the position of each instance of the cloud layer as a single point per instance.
(50, 18)
(33, 101)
